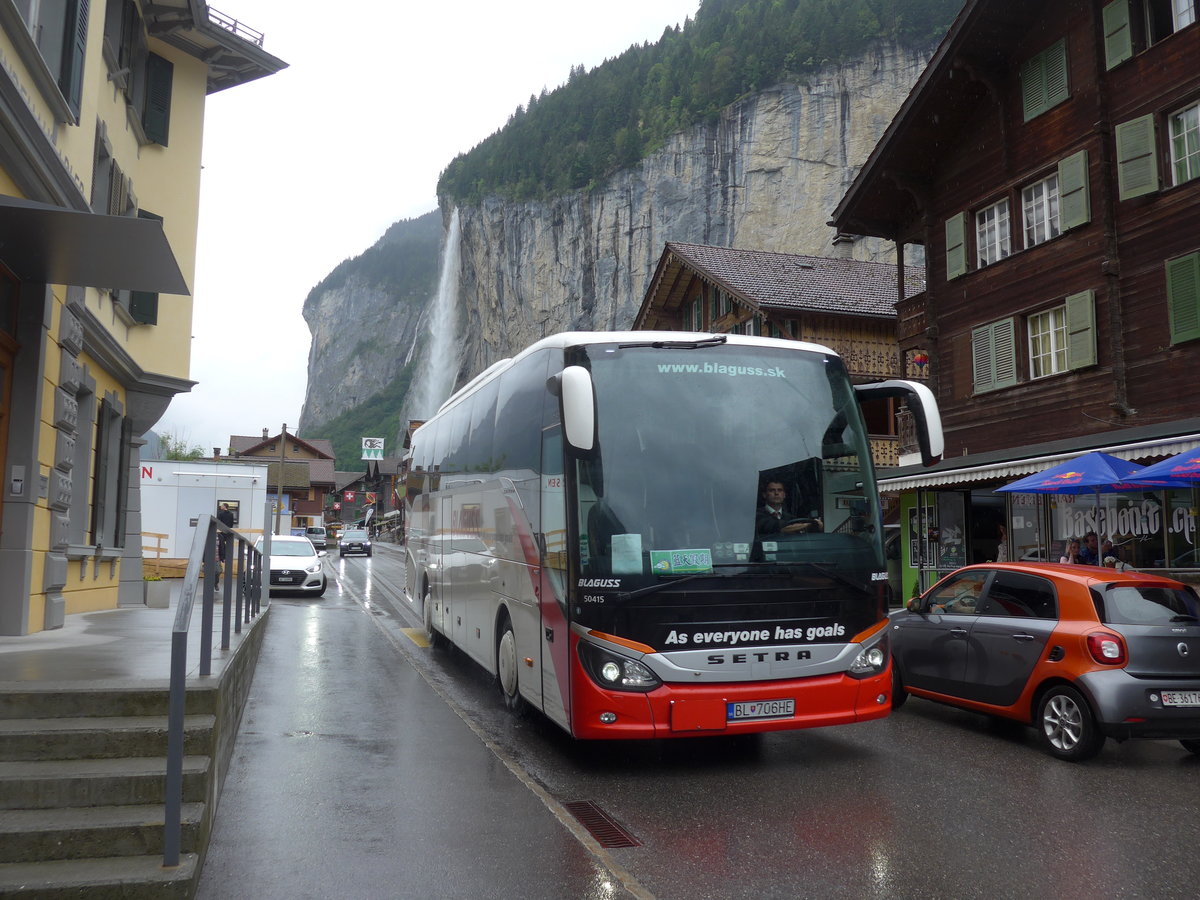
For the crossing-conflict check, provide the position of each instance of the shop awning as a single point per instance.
(978, 469)
(55, 245)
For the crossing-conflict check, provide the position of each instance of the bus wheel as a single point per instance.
(506, 669)
(431, 634)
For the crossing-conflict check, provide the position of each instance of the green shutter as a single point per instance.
(1075, 206)
(1044, 80)
(1033, 87)
(1081, 330)
(981, 359)
(1004, 352)
(1137, 158)
(994, 355)
(156, 118)
(1058, 87)
(1183, 297)
(956, 246)
(1118, 42)
(70, 76)
(143, 306)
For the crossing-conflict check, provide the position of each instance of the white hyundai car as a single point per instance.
(296, 565)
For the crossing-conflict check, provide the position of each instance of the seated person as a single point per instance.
(773, 517)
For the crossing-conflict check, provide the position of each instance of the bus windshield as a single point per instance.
(725, 459)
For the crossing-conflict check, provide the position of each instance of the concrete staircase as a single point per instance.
(82, 780)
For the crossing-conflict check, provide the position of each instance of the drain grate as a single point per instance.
(601, 825)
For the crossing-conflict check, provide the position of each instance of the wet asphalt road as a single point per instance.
(368, 766)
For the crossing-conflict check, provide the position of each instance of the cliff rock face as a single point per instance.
(766, 176)
(366, 319)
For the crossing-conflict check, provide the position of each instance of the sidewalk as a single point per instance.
(123, 648)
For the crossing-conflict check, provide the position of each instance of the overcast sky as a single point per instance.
(309, 166)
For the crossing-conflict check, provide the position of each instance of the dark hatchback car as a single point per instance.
(1081, 653)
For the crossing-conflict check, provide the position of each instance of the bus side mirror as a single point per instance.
(923, 406)
(576, 396)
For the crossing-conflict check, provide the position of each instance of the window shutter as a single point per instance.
(1118, 43)
(994, 355)
(1081, 330)
(1075, 205)
(1033, 87)
(1004, 352)
(70, 80)
(1137, 158)
(143, 306)
(1055, 68)
(1183, 297)
(956, 249)
(156, 118)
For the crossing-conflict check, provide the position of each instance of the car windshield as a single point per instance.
(1145, 605)
(354, 536)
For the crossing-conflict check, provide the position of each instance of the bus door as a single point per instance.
(556, 639)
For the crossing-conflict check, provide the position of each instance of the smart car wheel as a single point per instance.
(899, 694)
(1193, 746)
(1066, 725)
(506, 669)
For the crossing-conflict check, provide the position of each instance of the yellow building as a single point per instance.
(101, 116)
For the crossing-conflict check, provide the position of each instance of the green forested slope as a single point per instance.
(609, 118)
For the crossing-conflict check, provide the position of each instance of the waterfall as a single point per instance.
(435, 382)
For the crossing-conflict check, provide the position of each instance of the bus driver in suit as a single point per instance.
(773, 517)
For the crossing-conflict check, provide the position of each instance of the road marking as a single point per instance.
(417, 636)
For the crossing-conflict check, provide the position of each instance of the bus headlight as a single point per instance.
(615, 672)
(872, 659)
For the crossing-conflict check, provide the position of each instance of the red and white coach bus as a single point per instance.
(587, 521)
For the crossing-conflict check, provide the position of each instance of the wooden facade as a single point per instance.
(1076, 99)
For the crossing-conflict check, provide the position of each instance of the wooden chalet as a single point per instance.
(1048, 160)
(844, 304)
(308, 476)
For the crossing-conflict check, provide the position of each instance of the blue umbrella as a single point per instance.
(1093, 472)
(1182, 470)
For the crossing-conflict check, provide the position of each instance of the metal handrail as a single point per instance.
(202, 562)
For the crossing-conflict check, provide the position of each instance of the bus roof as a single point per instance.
(565, 339)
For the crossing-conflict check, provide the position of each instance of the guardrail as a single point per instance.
(243, 570)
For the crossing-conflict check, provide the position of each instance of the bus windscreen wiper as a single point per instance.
(715, 341)
(822, 568)
(655, 588)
